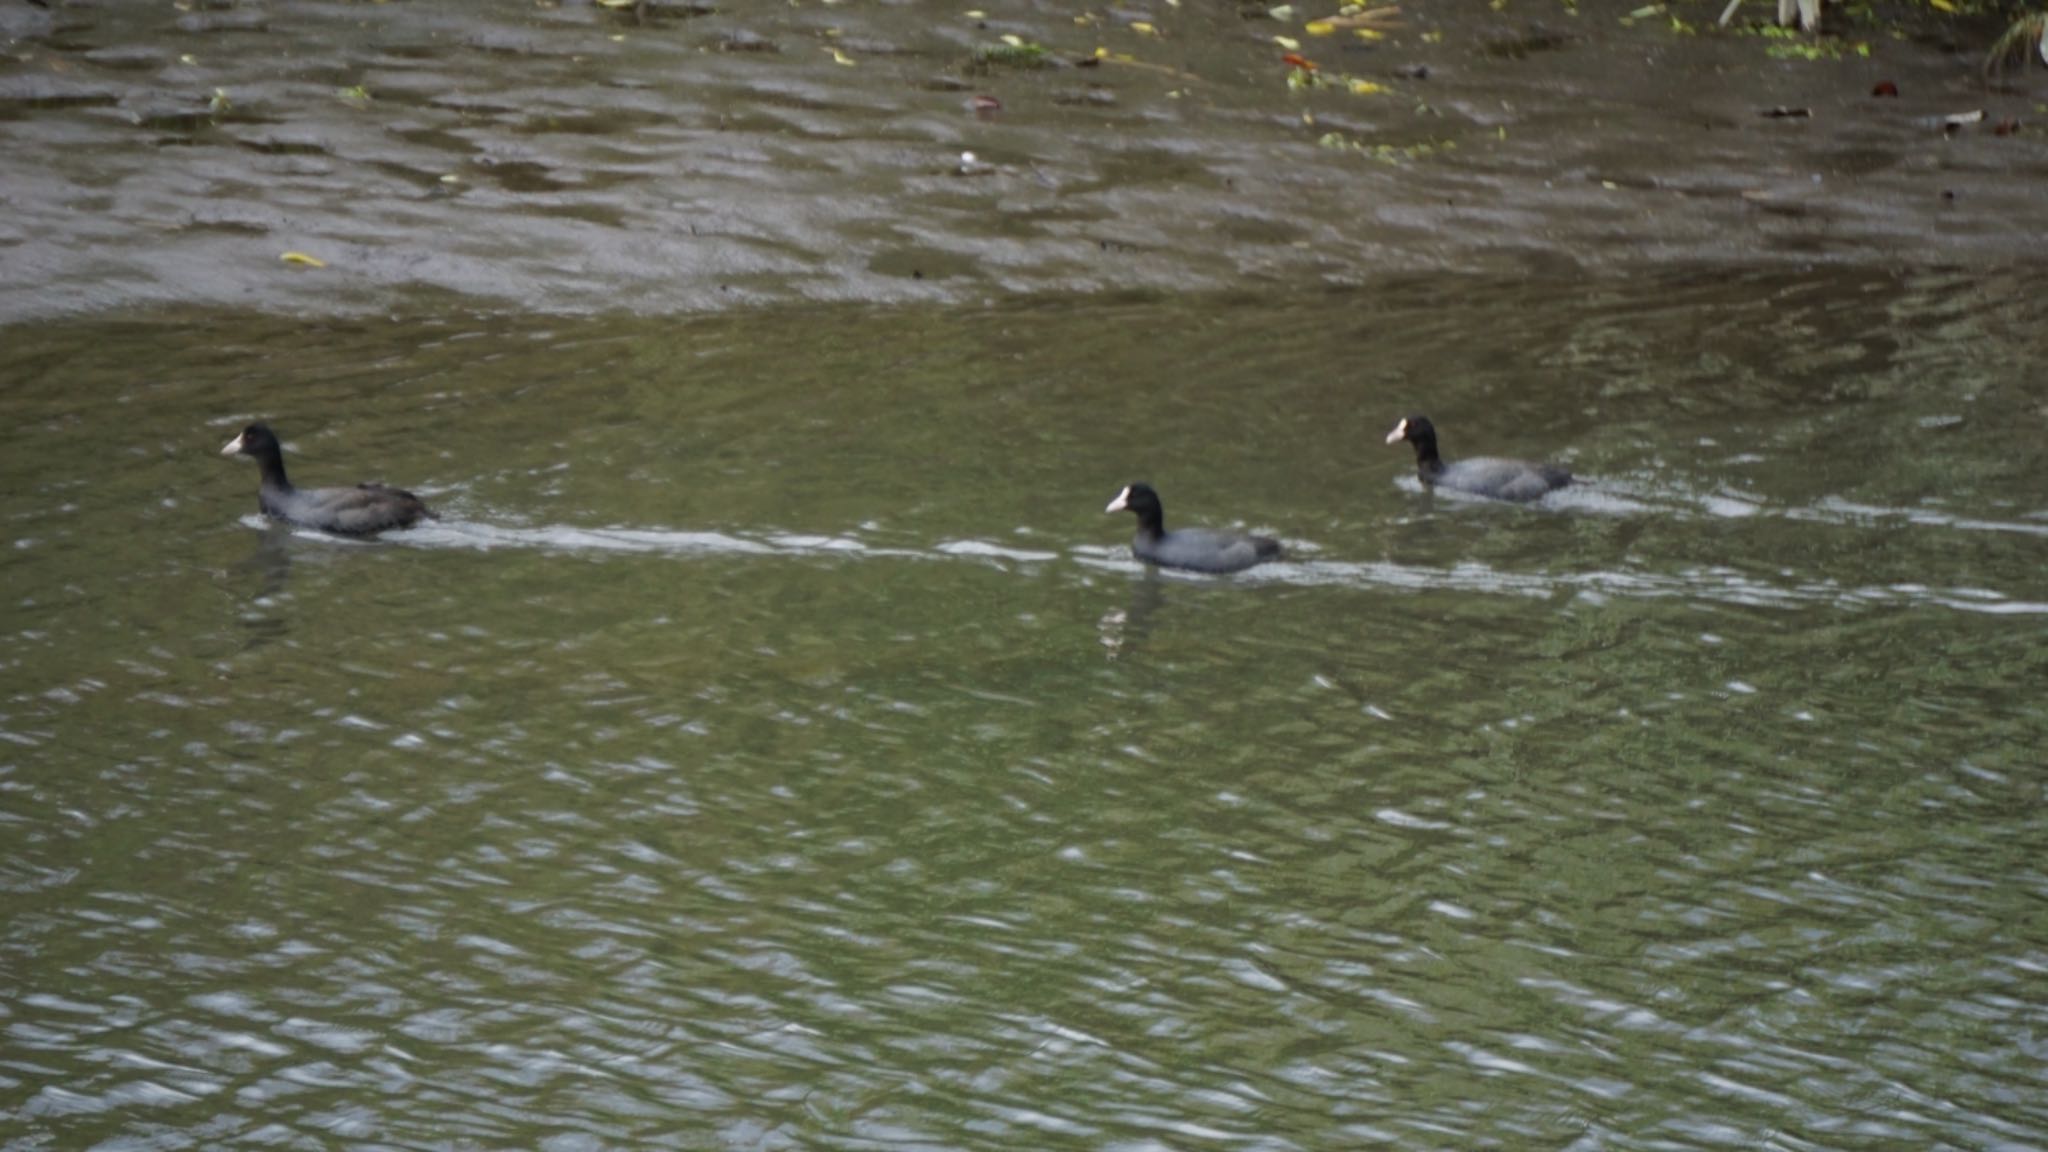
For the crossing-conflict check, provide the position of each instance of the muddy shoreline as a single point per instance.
(578, 159)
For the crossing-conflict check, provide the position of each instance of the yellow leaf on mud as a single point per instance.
(1369, 34)
(1013, 40)
(1142, 28)
(1288, 42)
(839, 57)
(1944, 5)
(1366, 88)
(303, 259)
(1320, 28)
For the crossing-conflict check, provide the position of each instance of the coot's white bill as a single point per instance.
(1122, 501)
(234, 446)
(1399, 433)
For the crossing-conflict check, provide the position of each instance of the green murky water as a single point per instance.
(775, 747)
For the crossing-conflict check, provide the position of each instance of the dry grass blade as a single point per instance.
(2027, 32)
(1375, 18)
(1163, 70)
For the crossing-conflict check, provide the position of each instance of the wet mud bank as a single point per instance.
(683, 157)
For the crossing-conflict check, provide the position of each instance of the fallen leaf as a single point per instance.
(1301, 62)
(1943, 5)
(1885, 88)
(1143, 29)
(2006, 127)
(839, 57)
(1366, 88)
(1288, 42)
(301, 258)
(1320, 28)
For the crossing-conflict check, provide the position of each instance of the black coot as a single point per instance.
(359, 511)
(1191, 548)
(1488, 476)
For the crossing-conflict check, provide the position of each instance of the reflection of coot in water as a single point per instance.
(359, 511)
(1124, 632)
(1488, 476)
(1194, 549)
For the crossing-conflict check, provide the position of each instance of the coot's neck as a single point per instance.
(1151, 521)
(1427, 462)
(270, 459)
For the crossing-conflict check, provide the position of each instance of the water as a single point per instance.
(775, 747)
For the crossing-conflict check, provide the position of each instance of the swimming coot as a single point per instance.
(359, 511)
(1488, 476)
(1191, 548)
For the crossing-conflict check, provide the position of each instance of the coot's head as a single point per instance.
(256, 440)
(1416, 430)
(1139, 498)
